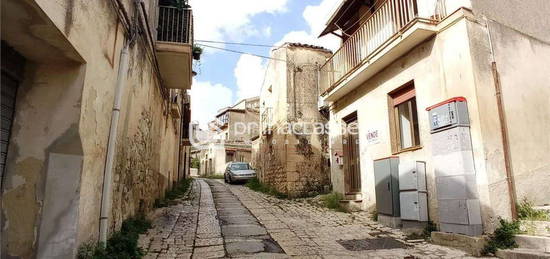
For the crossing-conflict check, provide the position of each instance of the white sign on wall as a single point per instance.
(373, 136)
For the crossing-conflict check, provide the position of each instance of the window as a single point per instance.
(404, 119)
(240, 167)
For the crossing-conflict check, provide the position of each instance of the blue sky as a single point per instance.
(225, 77)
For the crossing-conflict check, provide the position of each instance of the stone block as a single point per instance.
(533, 242)
(535, 228)
(469, 244)
(244, 247)
(389, 221)
(521, 253)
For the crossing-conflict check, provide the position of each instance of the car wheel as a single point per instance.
(229, 181)
(225, 178)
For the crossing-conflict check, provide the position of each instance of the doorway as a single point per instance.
(350, 143)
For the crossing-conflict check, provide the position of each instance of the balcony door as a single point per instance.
(352, 169)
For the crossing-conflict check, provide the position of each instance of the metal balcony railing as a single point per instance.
(175, 24)
(381, 26)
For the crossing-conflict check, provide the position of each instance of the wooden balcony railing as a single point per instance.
(381, 26)
(175, 24)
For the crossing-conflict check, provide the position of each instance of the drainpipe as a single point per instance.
(111, 146)
(503, 129)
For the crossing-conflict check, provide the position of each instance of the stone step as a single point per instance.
(521, 253)
(533, 242)
(353, 196)
(470, 244)
(352, 205)
(535, 228)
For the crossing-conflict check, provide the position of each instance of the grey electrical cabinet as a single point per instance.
(386, 176)
(413, 194)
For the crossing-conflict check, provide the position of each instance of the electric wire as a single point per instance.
(238, 43)
(240, 52)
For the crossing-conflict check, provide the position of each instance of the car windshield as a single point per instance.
(240, 167)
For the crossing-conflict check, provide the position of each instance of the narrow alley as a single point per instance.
(364, 129)
(218, 220)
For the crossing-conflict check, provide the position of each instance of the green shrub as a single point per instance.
(255, 185)
(526, 211)
(122, 244)
(374, 215)
(427, 232)
(332, 201)
(502, 238)
(195, 163)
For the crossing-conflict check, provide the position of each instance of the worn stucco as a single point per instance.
(233, 138)
(57, 150)
(292, 162)
(457, 62)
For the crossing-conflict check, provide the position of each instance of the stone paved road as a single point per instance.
(230, 221)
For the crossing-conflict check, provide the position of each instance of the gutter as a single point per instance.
(111, 146)
(503, 129)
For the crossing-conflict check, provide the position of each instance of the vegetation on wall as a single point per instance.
(180, 189)
(502, 238)
(121, 245)
(374, 215)
(255, 185)
(332, 201)
(195, 163)
(526, 211)
(426, 233)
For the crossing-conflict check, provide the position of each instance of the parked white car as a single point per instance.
(238, 171)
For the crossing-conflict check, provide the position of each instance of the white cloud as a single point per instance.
(229, 20)
(207, 99)
(267, 31)
(249, 73)
(316, 16)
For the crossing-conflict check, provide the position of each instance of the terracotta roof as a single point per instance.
(308, 46)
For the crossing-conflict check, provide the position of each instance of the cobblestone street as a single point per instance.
(219, 220)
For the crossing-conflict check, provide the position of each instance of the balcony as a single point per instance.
(267, 121)
(393, 29)
(174, 46)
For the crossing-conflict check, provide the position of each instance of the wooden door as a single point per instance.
(352, 171)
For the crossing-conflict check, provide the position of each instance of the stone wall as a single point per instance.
(56, 156)
(293, 161)
(293, 164)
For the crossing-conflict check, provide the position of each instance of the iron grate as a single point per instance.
(371, 244)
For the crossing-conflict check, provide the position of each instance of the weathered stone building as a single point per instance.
(88, 87)
(292, 160)
(229, 138)
(401, 61)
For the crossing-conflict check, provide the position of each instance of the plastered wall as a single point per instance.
(58, 145)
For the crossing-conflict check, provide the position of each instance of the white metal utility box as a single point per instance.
(453, 163)
(413, 196)
(450, 113)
